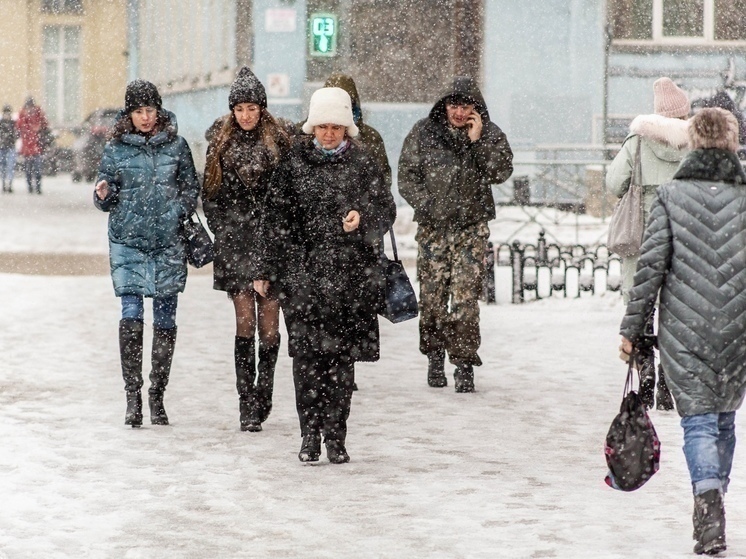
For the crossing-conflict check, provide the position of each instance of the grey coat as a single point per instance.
(664, 142)
(694, 255)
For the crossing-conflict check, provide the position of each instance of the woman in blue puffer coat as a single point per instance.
(148, 184)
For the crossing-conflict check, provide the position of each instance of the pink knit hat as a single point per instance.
(669, 99)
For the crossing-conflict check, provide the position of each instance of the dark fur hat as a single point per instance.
(247, 88)
(714, 128)
(141, 93)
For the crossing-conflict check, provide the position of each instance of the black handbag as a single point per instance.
(199, 249)
(399, 301)
(632, 448)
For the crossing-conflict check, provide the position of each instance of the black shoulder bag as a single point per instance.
(399, 302)
(199, 249)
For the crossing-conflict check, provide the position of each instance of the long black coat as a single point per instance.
(234, 212)
(329, 281)
(693, 255)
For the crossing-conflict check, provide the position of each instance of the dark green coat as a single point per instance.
(445, 176)
(153, 187)
(693, 254)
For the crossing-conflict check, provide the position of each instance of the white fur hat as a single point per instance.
(330, 105)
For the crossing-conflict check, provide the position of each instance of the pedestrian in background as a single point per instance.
(663, 137)
(321, 236)
(448, 164)
(245, 147)
(692, 256)
(148, 184)
(34, 130)
(8, 137)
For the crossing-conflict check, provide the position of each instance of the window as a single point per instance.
(678, 21)
(62, 6)
(62, 73)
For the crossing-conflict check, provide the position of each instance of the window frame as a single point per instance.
(59, 58)
(65, 9)
(659, 40)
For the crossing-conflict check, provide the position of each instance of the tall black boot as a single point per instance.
(164, 340)
(244, 353)
(436, 375)
(463, 378)
(265, 381)
(664, 400)
(130, 352)
(338, 399)
(709, 523)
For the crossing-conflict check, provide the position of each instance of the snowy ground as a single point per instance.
(515, 470)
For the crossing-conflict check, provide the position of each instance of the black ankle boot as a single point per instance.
(336, 451)
(709, 523)
(464, 378)
(310, 449)
(436, 375)
(164, 341)
(130, 353)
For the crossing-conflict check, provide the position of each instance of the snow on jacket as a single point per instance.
(445, 176)
(329, 280)
(234, 212)
(31, 121)
(693, 255)
(153, 187)
(664, 145)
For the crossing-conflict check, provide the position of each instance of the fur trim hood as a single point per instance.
(671, 132)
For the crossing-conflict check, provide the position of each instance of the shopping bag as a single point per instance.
(627, 223)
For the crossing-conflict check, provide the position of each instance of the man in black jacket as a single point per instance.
(448, 164)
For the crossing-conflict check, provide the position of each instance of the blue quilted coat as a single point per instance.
(153, 187)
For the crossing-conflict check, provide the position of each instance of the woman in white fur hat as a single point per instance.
(325, 213)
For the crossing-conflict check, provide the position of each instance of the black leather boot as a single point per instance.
(265, 382)
(436, 375)
(310, 448)
(244, 353)
(709, 523)
(663, 398)
(336, 451)
(130, 352)
(164, 341)
(464, 378)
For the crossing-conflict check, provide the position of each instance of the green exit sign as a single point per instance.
(323, 34)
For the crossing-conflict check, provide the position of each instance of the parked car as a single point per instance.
(88, 147)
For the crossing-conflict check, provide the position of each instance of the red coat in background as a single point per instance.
(30, 121)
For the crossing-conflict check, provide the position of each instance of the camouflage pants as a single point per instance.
(450, 269)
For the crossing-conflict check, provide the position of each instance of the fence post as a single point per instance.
(541, 250)
(516, 255)
(489, 269)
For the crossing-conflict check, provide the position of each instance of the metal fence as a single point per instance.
(546, 269)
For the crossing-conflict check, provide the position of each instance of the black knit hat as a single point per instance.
(247, 88)
(141, 93)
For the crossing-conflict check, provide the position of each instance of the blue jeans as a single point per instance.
(709, 443)
(164, 310)
(7, 165)
(33, 172)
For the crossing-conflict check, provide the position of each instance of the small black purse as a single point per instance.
(399, 302)
(199, 249)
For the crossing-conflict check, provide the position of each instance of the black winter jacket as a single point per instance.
(445, 176)
(329, 280)
(694, 255)
(234, 212)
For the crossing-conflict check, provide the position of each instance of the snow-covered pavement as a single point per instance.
(515, 470)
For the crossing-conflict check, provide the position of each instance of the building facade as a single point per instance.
(70, 55)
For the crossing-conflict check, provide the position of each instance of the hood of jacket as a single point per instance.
(169, 131)
(462, 86)
(667, 137)
(711, 165)
(343, 81)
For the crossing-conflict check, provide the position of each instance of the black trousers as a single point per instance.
(323, 393)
